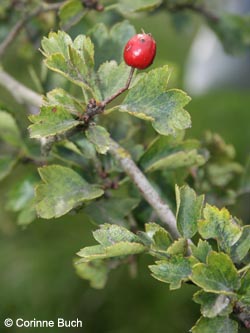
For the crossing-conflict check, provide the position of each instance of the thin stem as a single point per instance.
(148, 192)
(120, 91)
(21, 23)
(242, 270)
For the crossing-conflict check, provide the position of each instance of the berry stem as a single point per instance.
(120, 91)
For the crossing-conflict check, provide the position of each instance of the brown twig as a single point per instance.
(120, 91)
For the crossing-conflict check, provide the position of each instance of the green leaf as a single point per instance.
(86, 148)
(109, 234)
(112, 77)
(234, 31)
(218, 275)
(9, 132)
(201, 251)
(164, 108)
(128, 7)
(72, 59)
(168, 154)
(115, 250)
(109, 44)
(213, 305)
(188, 212)
(173, 271)
(52, 120)
(161, 240)
(95, 271)
(112, 210)
(240, 249)
(61, 97)
(62, 190)
(155, 237)
(220, 225)
(178, 247)
(70, 11)
(215, 325)
(21, 200)
(244, 291)
(100, 137)
(7, 164)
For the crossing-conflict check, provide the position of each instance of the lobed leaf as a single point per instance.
(62, 190)
(174, 271)
(201, 251)
(72, 59)
(218, 275)
(220, 225)
(213, 305)
(51, 121)
(164, 108)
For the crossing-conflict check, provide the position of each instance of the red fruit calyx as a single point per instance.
(139, 52)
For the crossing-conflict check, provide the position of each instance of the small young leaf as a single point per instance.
(178, 247)
(72, 59)
(173, 271)
(161, 240)
(240, 249)
(220, 225)
(109, 234)
(219, 275)
(95, 271)
(188, 212)
(213, 305)
(120, 249)
(215, 325)
(164, 108)
(100, 137)
(62, 190)
(201, 251)
(9, 132)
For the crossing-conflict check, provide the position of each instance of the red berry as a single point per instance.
(139, 51)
